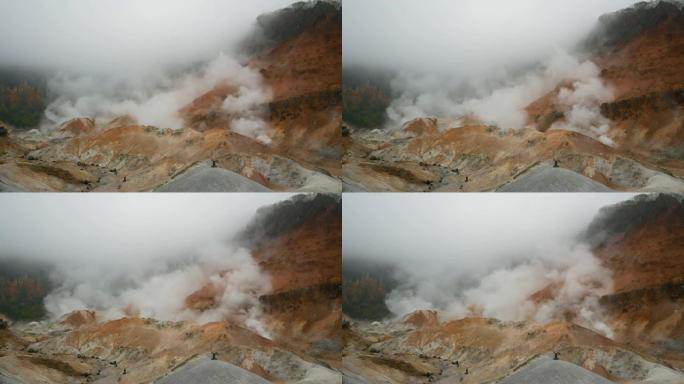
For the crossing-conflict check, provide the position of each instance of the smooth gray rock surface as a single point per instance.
(350, 378)
(351, 186)
(545, 178)
(207, 371)
(6, 378)
(548, 371)
(204, 178)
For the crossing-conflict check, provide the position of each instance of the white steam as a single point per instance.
(505, 256)
(247, 111)
(157, 99)
(142, 59)
(574, 277)
(234, 279)
(142, 255)
(581, 108)
(504, 106)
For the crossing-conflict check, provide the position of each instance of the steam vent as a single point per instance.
(342, 192)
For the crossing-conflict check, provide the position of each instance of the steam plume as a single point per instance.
(505, 106)
(171, 257)
(514, 257)
(145, 60)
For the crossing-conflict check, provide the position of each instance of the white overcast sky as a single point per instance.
(463, 229)
(121, 229)
(121, 35)
(465, 35)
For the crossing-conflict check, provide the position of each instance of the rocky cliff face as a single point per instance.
(642, 242)
(639, 52)
(299, 56)
(300, 248)
(23, 286)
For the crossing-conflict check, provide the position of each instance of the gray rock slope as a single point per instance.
(203, 178)
(545, 178)
(548, 371)
(6, 378)
(207, 371)
(9, 187)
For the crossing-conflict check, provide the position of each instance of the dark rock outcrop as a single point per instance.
(618, 28)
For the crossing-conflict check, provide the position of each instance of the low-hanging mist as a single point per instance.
(157, 99)
(145, 60)
(482, 59)
(504, 105)
(514, 257)
(140, 255)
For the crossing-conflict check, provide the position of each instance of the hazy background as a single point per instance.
(487, 59)
(139, 253)
(467, 37)
(142, 58)
(456, 252)
(123, 36)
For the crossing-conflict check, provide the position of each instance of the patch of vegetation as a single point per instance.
(622, 218)
(365, 286)
(23, 286)
(364, 106)
(280, 218)
(21, 106)
(366, 94)
(618, 28)
(22, 97)
(276, 27)
(364, 298)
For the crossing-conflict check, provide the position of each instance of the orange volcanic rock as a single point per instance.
(547, 293)
(647, 74)
(500, 336)
(483, 158)
(421, 126)
(488, 348)
(303, 74)
(78, 126)
(79, 318)
(650, 61)
(649, 255)
(545, 111)
(644, 249)
(205, 298)
(305, 78)
(146, 156)
(206, 111)
(309, 63)
(305, 265)
(148, 349)
(422, 318)
(307, 256)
